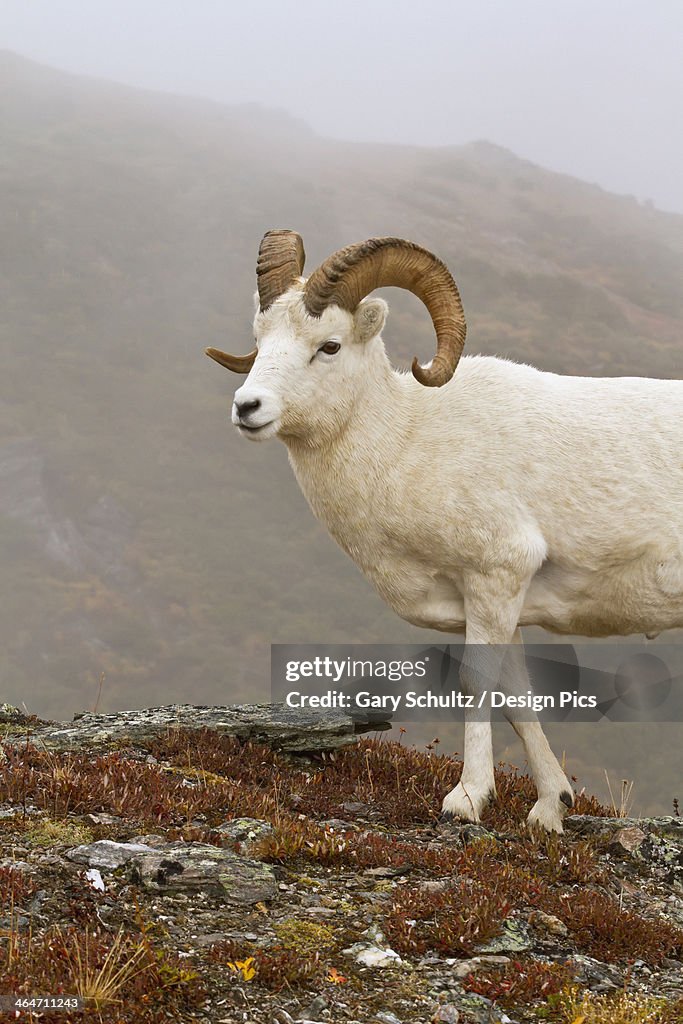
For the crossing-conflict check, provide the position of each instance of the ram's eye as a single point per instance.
(330, 348)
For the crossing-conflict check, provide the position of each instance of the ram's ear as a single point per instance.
(369, 318)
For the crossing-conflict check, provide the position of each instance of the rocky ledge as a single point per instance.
(278, 726)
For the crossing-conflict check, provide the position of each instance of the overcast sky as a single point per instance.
(590, 87)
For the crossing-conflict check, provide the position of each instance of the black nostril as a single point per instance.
(244, 408)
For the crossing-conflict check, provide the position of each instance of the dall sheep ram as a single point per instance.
(480, 501)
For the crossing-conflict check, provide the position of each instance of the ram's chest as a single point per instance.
(415, 587)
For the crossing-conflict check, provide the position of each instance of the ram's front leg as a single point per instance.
(492, 606)
(477, 784)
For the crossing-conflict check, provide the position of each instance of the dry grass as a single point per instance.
(575, 1007)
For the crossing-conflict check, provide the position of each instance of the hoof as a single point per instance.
(447, 818)
(465, 803)
(547, 814)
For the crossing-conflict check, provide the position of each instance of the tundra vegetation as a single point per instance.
(480, 921)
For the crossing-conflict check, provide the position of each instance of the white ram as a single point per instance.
(479, 501)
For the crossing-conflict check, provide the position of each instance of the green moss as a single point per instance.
(304, 937)
(58, 833)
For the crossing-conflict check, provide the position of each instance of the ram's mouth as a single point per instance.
(260, 431)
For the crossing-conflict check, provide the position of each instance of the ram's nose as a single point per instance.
(245, 408)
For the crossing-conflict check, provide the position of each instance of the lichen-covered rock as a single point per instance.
(514, 938)
(287, 729)
(8, 713)
(665, 826)
(190, 867)
(245, 832)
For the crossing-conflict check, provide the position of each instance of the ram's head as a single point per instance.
(318, 340)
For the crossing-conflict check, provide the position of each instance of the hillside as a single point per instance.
(138, 537)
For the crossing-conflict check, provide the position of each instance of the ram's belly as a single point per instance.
(643, 596)
(422, 597)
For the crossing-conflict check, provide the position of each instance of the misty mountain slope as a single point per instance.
(139, 536)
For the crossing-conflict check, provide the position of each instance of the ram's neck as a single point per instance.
(346, 480)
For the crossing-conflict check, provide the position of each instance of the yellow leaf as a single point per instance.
(244, 967)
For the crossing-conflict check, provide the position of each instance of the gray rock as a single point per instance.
(548, 923)
(465, 832)
(461, 968)
(386, 872)
(8, 713)
(627, 840)
(246, 832)
(106, 854)
(373, 951)
(101, 818)
(193, 867)
(447, 1013)
(513, 939)
(319, 1005)
(432, 885)
(282, 1017)
(666, 826)
(152, 839)
(373, 956)
(593, 973)
(479, 1010)
(283, 728)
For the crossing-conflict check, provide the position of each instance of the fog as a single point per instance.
(591, 90)
(148, 554)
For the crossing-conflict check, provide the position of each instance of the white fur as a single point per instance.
(508, 497)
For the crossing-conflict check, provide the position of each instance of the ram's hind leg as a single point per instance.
(554, 792)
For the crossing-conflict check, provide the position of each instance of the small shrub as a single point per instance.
(608, 932)
(521, 982)
(452, 922)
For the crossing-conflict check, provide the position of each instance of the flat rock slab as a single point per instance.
(198, 867)
(283, 728)
(183, 867)
(107, 854)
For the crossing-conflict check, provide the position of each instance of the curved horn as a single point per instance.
(238, 364)
(350, 274)
(280, 261)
